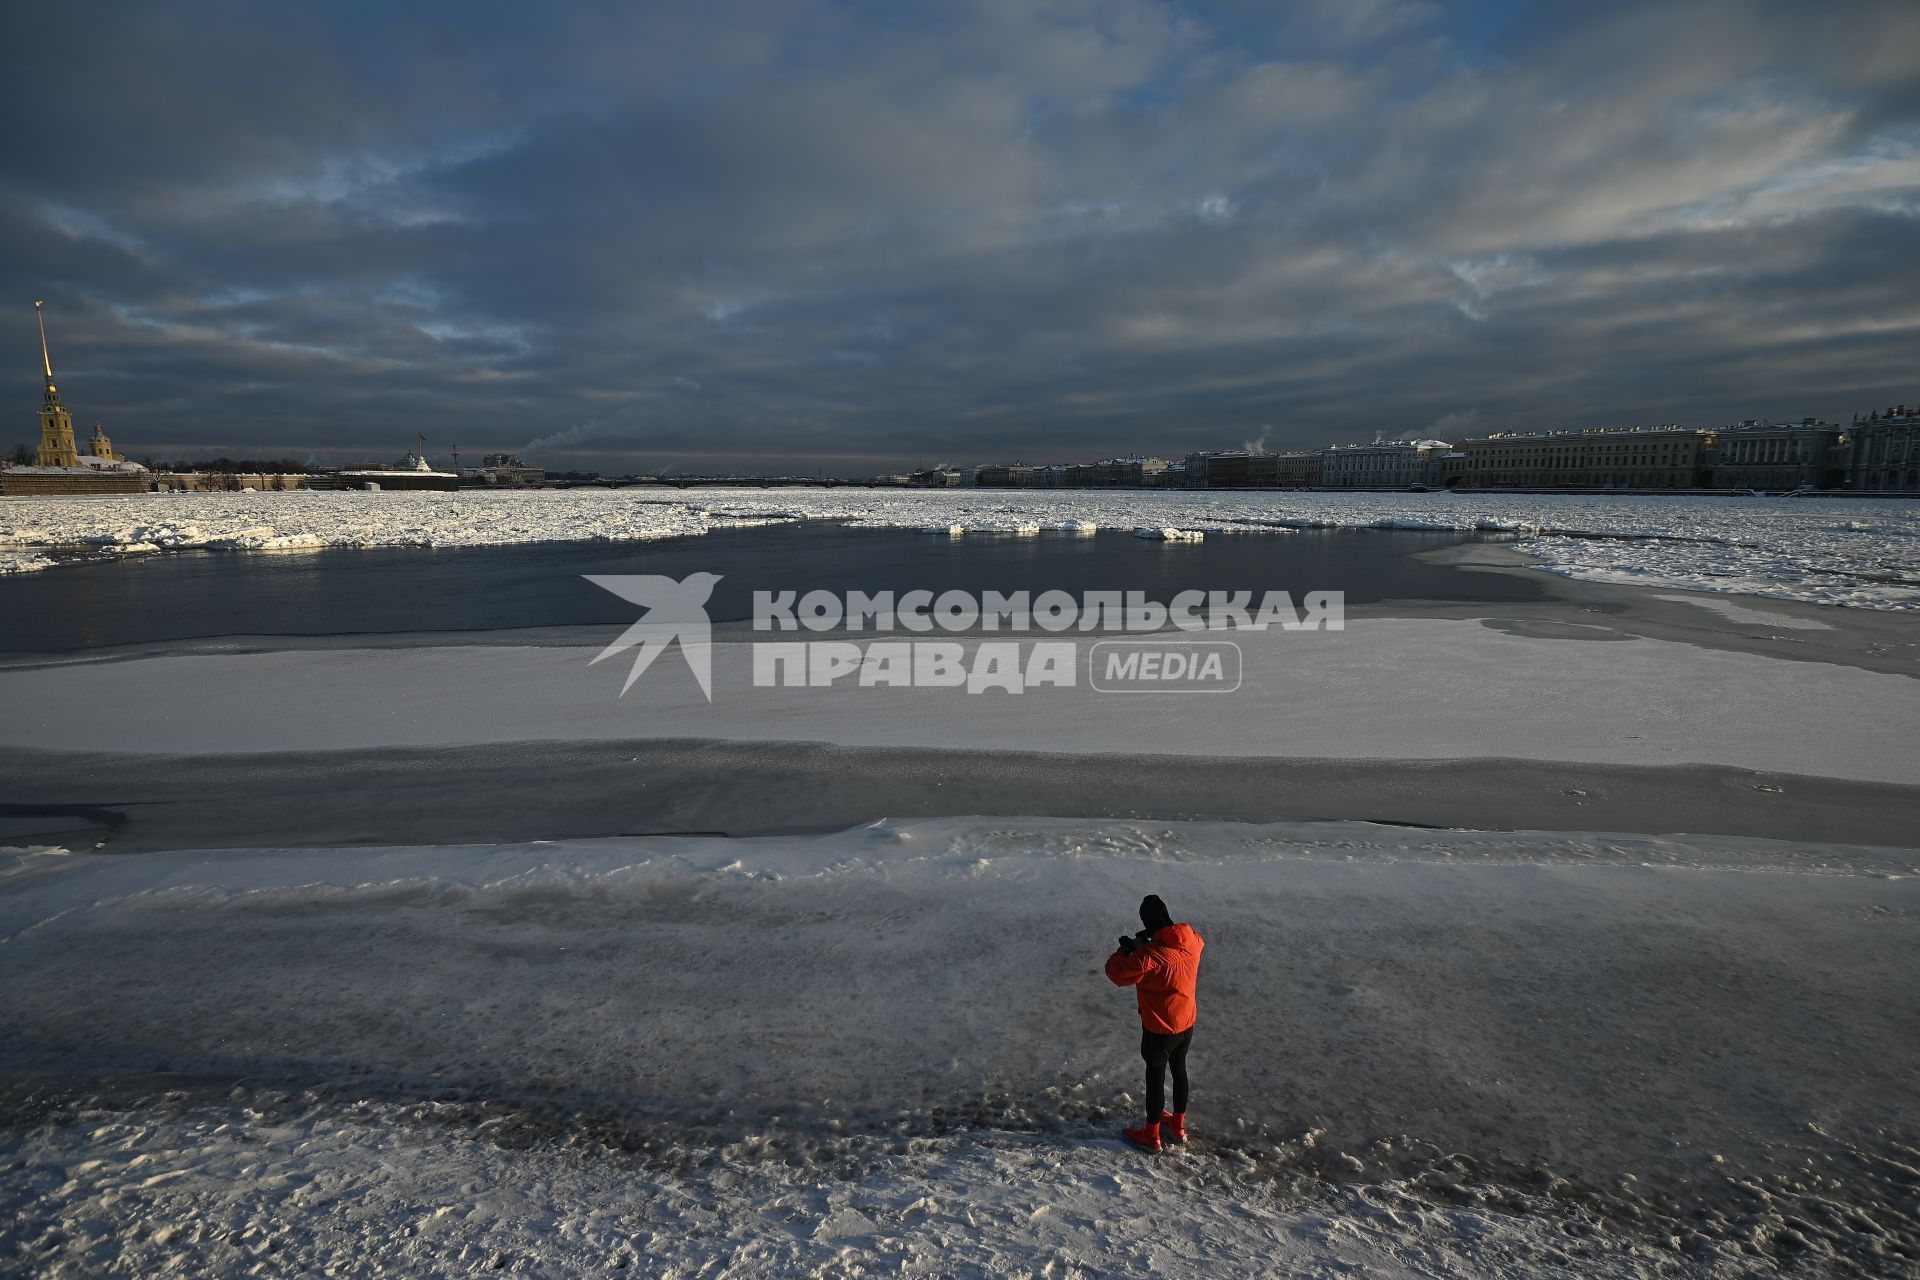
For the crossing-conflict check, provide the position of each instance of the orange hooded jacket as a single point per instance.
(1162, 972)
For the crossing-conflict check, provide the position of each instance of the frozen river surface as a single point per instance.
(889, 1049)
(1863, 553)
(892, 1049)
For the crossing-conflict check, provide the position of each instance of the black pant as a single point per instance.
(1162, 1052)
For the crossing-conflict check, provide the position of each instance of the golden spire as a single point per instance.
(53, 392)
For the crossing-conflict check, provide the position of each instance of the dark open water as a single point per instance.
(200, 594)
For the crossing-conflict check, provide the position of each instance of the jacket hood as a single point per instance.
(1181, 937)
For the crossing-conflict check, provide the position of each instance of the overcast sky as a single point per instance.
(801, 233)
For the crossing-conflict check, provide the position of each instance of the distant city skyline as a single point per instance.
(783, 236)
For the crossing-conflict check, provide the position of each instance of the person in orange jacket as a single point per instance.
(1162, 964)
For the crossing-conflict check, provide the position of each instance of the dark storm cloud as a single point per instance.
(857, 235)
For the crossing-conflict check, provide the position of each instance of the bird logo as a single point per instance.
(675, 610)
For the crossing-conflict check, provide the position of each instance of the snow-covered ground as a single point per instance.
(259, 1187)
(1833, 551)
(891, 1050)
(1384, 688)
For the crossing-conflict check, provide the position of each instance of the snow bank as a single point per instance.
(1860, 553)
(1477, 691)
(284, 1186)
(1420, 1053)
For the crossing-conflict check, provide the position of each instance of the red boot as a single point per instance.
(1173, 1127)
(1146, 1137)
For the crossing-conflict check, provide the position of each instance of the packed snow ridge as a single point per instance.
(1861, 553)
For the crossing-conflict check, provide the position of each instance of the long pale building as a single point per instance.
(1668, 457)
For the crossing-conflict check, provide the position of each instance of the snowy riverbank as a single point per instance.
(891, 1048)
(280, 1185)
(1383, 688)
(1863, 553)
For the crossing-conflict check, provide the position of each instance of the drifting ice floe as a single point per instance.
(1862, 553)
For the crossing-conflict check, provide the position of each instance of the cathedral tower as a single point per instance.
(57, 448)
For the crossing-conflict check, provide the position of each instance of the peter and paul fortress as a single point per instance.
(60, 467)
